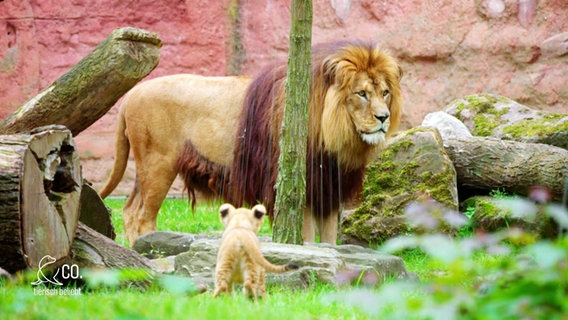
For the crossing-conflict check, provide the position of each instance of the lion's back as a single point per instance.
(185, 107)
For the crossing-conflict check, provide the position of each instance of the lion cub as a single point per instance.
(239, 259)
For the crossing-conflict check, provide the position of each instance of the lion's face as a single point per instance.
(367, 104)
(362, 103)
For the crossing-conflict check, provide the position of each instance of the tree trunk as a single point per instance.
(487, 163)
(291, 181)
(40, 186)
(89, 89)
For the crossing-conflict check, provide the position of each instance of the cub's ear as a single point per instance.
(225, 209)
(259, 211)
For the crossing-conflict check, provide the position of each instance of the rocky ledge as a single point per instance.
(195, 256)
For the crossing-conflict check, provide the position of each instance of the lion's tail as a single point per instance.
(257, 256)
(122, 149)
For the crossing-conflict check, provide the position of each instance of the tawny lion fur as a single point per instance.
(355, 104)
(239, 259)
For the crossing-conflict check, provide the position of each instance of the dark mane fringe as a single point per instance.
(198, 173)
(256, 149)
(254, 172)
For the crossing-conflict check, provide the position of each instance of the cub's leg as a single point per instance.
(250, 284)
(328, 228)
(261, 292)
(223, 282)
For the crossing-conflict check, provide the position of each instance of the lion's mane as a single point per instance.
(336, 155)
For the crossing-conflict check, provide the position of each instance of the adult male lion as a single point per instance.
(230, 147)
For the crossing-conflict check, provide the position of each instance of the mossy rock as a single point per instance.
(489, 215)
(413, 167)
(500, 117)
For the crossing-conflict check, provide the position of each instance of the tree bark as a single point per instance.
(487, 163)
(40, 186)
(89, 89)
(291, 181)
(94, 250)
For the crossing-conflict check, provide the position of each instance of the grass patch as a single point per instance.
(176, 215)
(21, 303)
(481, 286)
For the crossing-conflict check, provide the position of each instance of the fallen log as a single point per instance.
(40, 186)
(488, 163)
(94, 250)
(88, 90)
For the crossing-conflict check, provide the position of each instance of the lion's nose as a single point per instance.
(382, 117)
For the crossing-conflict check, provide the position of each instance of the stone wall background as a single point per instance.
(448, 49)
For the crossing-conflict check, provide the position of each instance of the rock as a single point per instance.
(413, 167)
(500, 117)
(165, 243)
(318, 262)
(163, 265)
(491, 214)
(447, 125)
(555, 46)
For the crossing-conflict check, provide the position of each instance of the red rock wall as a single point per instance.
(448, 49)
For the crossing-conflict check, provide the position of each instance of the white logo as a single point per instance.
(42, 278)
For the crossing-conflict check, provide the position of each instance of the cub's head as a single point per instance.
(232, 217)
(363, 102)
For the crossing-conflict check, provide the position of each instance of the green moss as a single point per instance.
(486, 117)
(460, 106)
(546, 125)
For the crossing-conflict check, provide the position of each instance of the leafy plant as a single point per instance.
(481, 276)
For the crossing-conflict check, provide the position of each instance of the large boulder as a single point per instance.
(318, 262)
(492, 214)
(414, 167)
(500, 117)
(447, 125)
(165, 243)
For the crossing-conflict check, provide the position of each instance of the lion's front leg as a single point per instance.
(308, 232)
(328, 227)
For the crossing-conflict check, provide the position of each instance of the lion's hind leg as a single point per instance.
(154, 176)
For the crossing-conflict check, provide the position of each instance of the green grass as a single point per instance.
(21, 303)
(17, 299)
(176, 215)
(437, 281)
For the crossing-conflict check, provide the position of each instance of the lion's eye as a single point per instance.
(385, 93)
(362, 94)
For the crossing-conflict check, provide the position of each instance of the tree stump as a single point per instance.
(88, 90)
(40, 187)
(489, 163)
(94, 212)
